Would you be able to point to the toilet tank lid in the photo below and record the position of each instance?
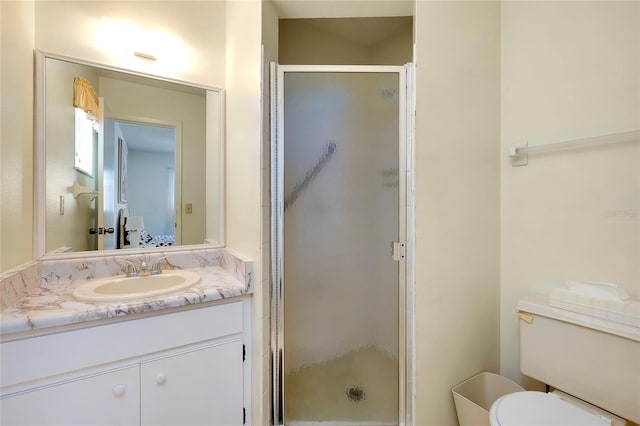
(537, 409)
(539, 305)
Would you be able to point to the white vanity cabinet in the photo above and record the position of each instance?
(103, 399)
(201, 387)
(181, 368)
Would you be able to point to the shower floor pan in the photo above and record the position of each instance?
(358, 388)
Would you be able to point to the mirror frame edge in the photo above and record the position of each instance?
(39, 173)
(39, 178)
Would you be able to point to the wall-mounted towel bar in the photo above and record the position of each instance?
(519, 154)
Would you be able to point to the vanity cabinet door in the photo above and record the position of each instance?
(200, 387)
(111, 398)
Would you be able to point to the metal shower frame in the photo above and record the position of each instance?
(406, 345)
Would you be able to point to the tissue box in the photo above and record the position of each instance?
(624, 312)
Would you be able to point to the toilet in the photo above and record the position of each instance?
(592, 361)
(532, 408)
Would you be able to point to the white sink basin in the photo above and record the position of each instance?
(120, 287)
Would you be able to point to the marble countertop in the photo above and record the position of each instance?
(53, 305)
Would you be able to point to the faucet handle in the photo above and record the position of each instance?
(131, 268)
(155, 266)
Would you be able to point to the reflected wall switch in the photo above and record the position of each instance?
(61, 205)
(188, 208)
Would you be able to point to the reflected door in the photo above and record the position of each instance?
(100, 201)
(340, 195)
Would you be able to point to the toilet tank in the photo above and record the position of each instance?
(594, 359)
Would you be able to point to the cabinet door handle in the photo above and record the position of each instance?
(118, 390)
(161, 378)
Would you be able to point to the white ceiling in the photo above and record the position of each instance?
(342, 8)
(144, 137)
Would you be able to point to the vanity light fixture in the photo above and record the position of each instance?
(128, 42)
(145, 56)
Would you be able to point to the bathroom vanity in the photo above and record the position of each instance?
(180, 358)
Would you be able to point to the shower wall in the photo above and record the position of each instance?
(341, 284)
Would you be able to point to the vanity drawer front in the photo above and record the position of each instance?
(58, 353)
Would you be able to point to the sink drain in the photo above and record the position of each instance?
(355, 394)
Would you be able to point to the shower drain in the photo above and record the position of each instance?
(355, 393)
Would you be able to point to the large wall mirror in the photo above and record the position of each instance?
(142, 170)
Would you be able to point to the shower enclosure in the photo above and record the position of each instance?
(338, 244)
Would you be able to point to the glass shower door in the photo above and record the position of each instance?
(340, 215)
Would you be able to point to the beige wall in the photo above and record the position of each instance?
(457, 200)
(270, 54)
(16, 132)
(569, 70)
(244, 208)
(346, 41)
(72, 28)
(397, 48)
(302, 43)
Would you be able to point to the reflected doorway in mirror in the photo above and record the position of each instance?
(122, 170)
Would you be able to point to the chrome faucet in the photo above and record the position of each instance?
(155, 266)
(132, 271)
(142, 269)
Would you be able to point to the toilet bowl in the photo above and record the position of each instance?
(530, 408)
